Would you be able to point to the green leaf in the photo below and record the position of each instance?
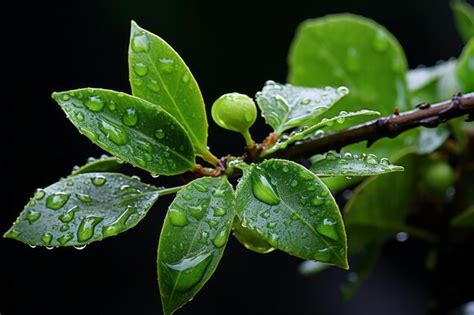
(352, 51)
(433, 84)
(82, 209)
(465, 69)
(193, 239)
(464, 219)
(250, 239)
(315, 130)
(290, 208)
(356, 52)
(464, 18)
(160, 76)
(348, 165)
(103, 164)
(132, 129)
(380, 205)
(366, 262)
(286, 106)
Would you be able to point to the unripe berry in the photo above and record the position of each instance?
(438, 176)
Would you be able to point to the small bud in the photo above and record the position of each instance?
(235, 112)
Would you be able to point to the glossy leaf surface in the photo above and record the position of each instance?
(287, 106)
(250, 239)
(193, 239)
(335, 164)
(464, 18)
(352, 51)
(315, 130)
(102, 164)
(130, 128)
(465, 69)
(82, 209)
(289, 207)
(368, 215)
(160, 76)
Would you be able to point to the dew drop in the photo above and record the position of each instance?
(94, 104)
(119, 224)
(79, 116)
(130, 118)
(271, 225)
(178, 217)
(219, 212)
(69, 215)
(199, 187)
(220, 238)
(140, 43)
(111, 106)
(186, 273)
(84, 197)
(140, 69)
(265, 214)
(64, 239)
(263, 190)
(64, 228)
(86, 229)
(342, 90)
(98, 180)
(57, 200)
(12, 233)
(213, 223)
(294, 183)
(159, 134)
(80, 247)
(380, 42)
(322, 255)
(153, 85)
(33, 216)
(328, 229)
(186, 78)
(371, 159)
(384, 161)
(46, 238)
(166, 65)
(317, 201)
(113, 132)
(39, 194)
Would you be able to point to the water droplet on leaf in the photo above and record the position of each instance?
(263, 190)
(86, 229)
(178, 217)
(94, 104)
(57, 200)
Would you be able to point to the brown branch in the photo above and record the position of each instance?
(387, 127)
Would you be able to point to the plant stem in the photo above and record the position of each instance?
(391, 126)
(248, 139)
(209, 157)
(169, 191)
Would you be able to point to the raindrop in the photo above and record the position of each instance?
(166, 65)
(113, 132)
(33, 216)
(94, 104)
(86, 229)
(186, 273)
(219, 212)
(159, 134)
(80, 247)
(220, 238)
(84, 197)
(331, 156)
(185, 78)
(342, 90)
(98, 180)
(69, 215)
(263, 190)
(271, 225)
(199, 187)
(140, 43)
(79, 116)
(63, 240)
(294, 183)
(140, 69)
(64, 228)
(384, 161)
(178, 217)
(12, 233)
(380, 42)
(46, 238)
(322, 255)
(39, 194)
(153, 85)
(328, 228)
(57, 200)
(371, 159)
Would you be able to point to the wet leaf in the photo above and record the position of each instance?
(82, 209)
(102, 164)
(250, 239)
(465, 69)
(464, 220)
(290, 208)
(464, 17)
(316, 130)
(130, 128)
(193, 239)
(160, 76)
(349, 165)
(286, 106)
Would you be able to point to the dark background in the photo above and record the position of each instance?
(233, 47)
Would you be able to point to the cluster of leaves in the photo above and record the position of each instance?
(277, 204)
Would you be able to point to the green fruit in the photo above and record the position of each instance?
(235, 112)
(438, 176)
